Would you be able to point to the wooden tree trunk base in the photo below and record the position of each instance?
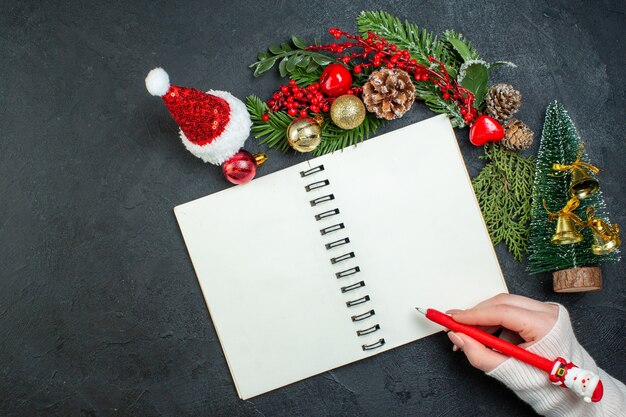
(577, 279)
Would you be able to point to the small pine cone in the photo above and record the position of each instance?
(517, 135)
(388, 93)
(503, 101)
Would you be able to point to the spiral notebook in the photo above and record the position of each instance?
(321, 264)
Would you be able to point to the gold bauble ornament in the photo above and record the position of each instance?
(304, 134)
(347, 111)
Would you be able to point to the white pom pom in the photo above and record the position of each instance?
(158, 82)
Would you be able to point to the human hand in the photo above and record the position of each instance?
(524, 320)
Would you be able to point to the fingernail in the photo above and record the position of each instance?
(454, 311)
(458, 342)
(454, 348)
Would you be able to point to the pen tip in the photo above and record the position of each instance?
(421, 310)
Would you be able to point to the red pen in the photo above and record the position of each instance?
(560, 372)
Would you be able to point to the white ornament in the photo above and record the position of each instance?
(158, 82)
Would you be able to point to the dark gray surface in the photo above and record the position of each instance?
(100, 310)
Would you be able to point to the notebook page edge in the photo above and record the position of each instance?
(476, 204)
(180, 209)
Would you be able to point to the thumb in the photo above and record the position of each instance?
(478, 355)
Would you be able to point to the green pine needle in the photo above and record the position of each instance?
(304, 78)
(305, 68)
(435, 102)
(335, 138)
(273, 132)
(503, 189)
(421, 44)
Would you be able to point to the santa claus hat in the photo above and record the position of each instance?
(213, 125)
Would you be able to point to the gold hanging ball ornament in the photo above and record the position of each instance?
(347, 111)
(304, 134)
(259, 158)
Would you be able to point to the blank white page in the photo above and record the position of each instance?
(418, 238)
(416, 227)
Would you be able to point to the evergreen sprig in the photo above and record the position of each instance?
(452, 49)
(292, 60)
(304, 78)
(420, 43)
(503, 189)
(334, 137)
(432, 97)
(273, 132)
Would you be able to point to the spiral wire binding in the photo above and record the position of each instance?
(338, 259)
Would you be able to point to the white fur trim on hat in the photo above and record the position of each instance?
(232, 138)
(158, 82)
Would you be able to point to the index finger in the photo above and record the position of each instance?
(516, 301)
(514, 318)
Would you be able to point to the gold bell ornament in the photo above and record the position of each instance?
(606, 237)
(583, 185)
(304, 134)
(566, 226)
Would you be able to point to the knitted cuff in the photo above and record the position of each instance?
(533, 386)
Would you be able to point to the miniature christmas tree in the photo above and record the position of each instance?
(574, 265)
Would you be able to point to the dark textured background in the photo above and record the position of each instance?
(100, 310)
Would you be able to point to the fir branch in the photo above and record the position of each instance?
(335, 138)
(503, 189)
(435, 102)
(291, 60)
(303, 77)
(273, 132)
(420, 43)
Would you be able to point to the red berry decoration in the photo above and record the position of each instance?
(485, 129)
(240, 168)
(336, 80)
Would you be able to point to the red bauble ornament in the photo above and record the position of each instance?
(336, 80)
(240, 168)
(485, 129)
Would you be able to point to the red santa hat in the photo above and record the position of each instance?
(213, 125)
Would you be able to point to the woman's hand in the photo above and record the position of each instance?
(523, 319)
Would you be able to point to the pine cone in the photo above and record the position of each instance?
(503, 101)
(388, 93)
(517, 135)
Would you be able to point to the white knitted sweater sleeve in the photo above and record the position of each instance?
(533, 386)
